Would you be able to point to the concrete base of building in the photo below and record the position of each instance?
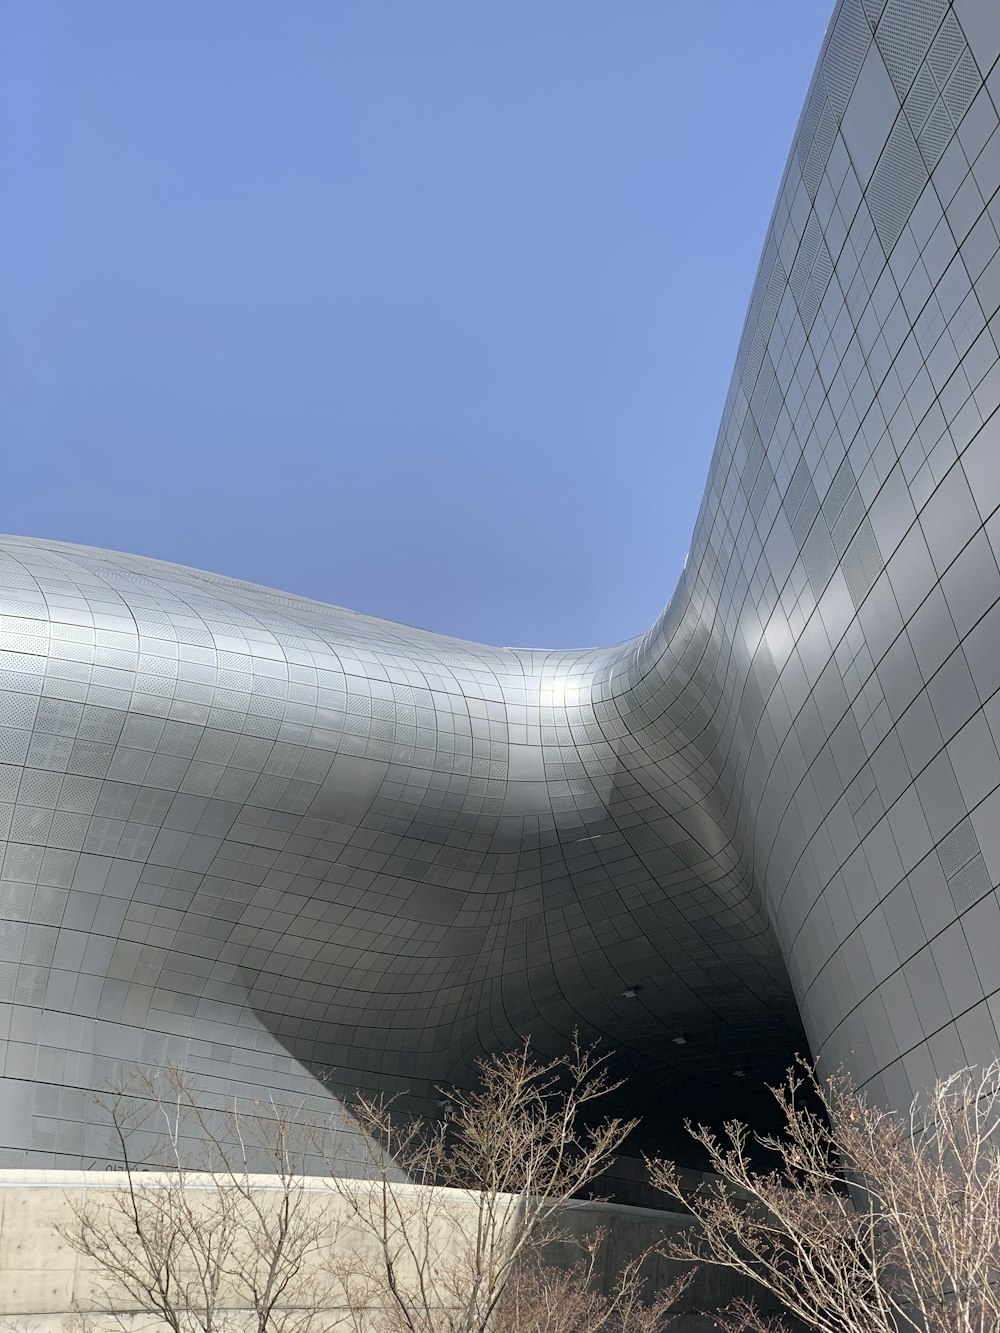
(47, 1287)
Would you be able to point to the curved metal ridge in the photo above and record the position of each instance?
(267, 837)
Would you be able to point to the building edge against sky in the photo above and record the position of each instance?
(267, 838)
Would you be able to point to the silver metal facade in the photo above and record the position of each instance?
(267, 837)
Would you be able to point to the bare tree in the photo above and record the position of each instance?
(193, 1232)
(543, 1297)
(870, 1222)
(467, 1256)
(215, 1225)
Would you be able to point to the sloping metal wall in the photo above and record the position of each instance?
(267, 838)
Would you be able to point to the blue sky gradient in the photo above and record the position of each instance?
(428, 310)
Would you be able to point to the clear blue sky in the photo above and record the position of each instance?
(427, 308)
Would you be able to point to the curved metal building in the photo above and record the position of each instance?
(268, 837)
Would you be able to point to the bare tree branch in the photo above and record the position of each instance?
(870, 1222)
(467, 1256)
(201, 1234)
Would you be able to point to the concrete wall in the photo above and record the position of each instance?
(43, 1280)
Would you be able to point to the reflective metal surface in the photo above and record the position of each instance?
(268, 837)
